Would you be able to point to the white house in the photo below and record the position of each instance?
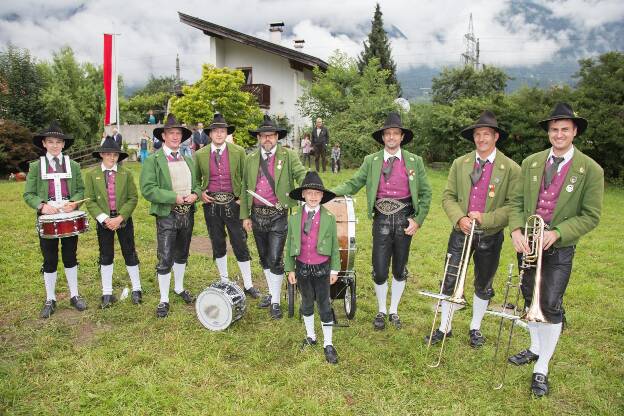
(273, 72)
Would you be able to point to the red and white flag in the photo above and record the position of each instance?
(110, 80)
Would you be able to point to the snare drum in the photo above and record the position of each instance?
(64, 224)
(344, 210)
(219, 305)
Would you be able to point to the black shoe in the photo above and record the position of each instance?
(162, 310)
(275, 311)
(379, 322)
(331, 355)
(393, 318)
(265, 302)
(308, 342)
(253, 292)
(137, 297)
(186, 297)
(108, 300)
(476, 338)
(437, 336)
(539, 385)
(48, 309)
(523, 357)
(78, 302)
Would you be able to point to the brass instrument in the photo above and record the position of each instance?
(534, 237)
(458, 292)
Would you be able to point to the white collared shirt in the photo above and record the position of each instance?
(50, 157)
(388, 155)
(104, 168)
(213, 148)
(490, 158)
(264, 152)
(169, 151)
(566, 158)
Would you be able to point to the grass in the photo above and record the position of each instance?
(123, 360)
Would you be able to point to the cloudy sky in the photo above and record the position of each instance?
(425, 33)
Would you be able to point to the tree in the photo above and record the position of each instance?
(153, 96)
(378, 46)
(600, 98)
(466, 82)
(20, 87)
(219, 89)
(16, 147)
(74, 95)
(352, 105)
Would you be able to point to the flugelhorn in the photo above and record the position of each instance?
(458, 292)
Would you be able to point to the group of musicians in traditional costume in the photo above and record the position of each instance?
(486, 191)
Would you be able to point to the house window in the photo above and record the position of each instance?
(247, 74)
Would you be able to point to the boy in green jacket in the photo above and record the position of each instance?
(312, 258)
(112, 199)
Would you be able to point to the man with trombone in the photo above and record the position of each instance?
(477, 202)
(561, 191)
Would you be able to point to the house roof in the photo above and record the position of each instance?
(297, 59)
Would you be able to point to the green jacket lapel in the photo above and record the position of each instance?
(499, 171)
(465, 184)
(536, 172)
(232, 160)
(281, 157)
(376, 175)
(163, 165)
(252, 169)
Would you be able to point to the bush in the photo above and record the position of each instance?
(16, 148)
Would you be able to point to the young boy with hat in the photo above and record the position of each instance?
(112, 199)
(312, 258)
(52, 185)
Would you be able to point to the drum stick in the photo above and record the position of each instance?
(80, 201)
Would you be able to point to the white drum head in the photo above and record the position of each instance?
(214, 309)
(61, 216)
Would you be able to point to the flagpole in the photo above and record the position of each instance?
(117, 77)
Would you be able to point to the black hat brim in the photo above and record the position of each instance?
(281, 133)
(297, 193)
(580, 122)
(467, 133)
(230, 129)
(158, 131)
(408, 135)
(122, 155)
(38, 139)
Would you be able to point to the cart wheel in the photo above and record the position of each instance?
(349, 300)
(290, 294)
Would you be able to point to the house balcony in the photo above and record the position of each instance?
(262, 92)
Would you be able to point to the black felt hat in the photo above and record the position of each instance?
(486, 119)
(268, 126)
(312, 180)
(109, 146)
(54, 130)
(172, 123)
(563, 111)
(219, 122)
(394, 121)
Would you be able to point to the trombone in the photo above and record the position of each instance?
(458, 291)
(534, 237)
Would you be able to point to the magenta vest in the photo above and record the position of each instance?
(479, 191)
(262, 184)
(397, 186)
(308, 254)
(547, 198)
(110, 190)
(64, 188)
(220, 179)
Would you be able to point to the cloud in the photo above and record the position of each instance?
(152, 35)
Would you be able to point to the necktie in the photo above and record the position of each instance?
(218, 156)
(387, 170)
(477, 171)
(307, 225)
(174, 155)
(551, 170)
(57, 164)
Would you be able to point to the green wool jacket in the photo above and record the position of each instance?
(236, 158)
(369, 173)
(580, 203)
(36, 190)
(126, 196)
(455, 197)
(155, 183)
(288, 171)
(327, 244)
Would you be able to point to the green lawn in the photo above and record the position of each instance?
(123, 360)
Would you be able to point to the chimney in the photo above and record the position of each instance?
(276, 30)
(299, 43)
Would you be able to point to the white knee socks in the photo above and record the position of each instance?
(245, 269)
(479, 306)
(49, 279)
(164, 280)
(178, 276)
(382, 293)
(107, 279)
(72, 280)
(395, 297)
(133, 272)
(549, 336)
